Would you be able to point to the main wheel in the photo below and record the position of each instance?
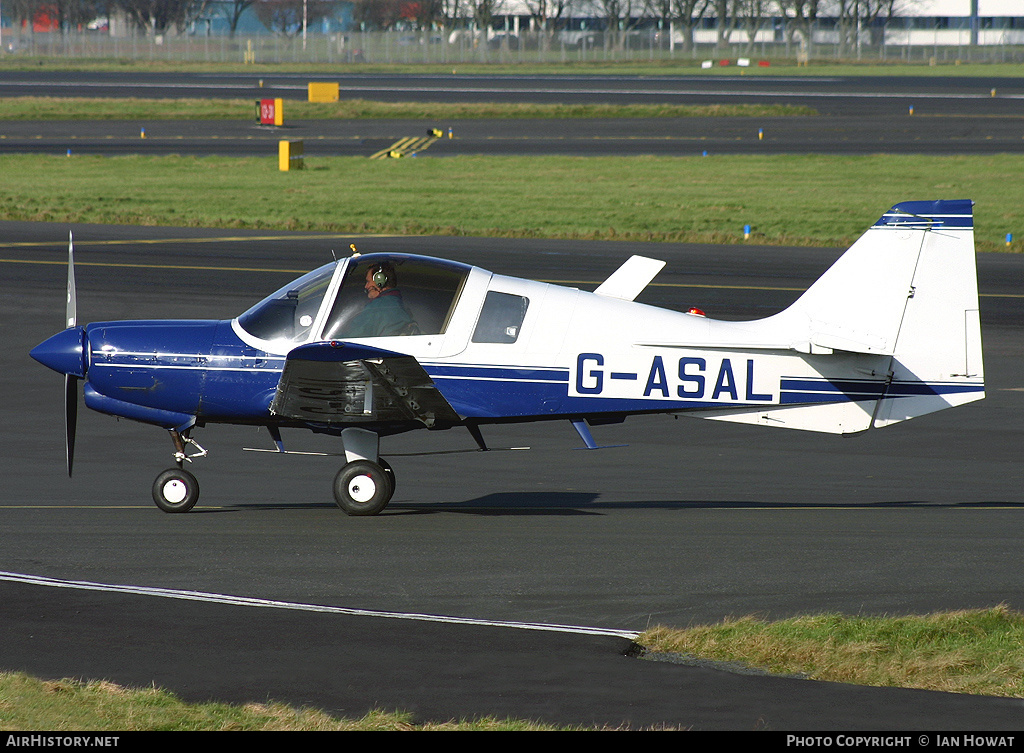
(175, 490)
(362, 488)
(389, 472)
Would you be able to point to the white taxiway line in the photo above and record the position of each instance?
(170, 593)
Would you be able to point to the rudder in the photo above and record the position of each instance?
(937, 360)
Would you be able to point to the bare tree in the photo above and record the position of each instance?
(429, 14)
(618, 20)
(484, 12)
(68, 14)
(157, 16)
(728, 13)
(876, 15)
(753, 17)
(71, 14)
(286, 16)
(864, 21)
(800, 17)
(378, 14)
(22, 11)
(232, 12)
(456, 11)
(689, 13)
(547, 13)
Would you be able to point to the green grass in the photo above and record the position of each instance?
(98, 108)
(980, 652)
(810, 200)
(28, 703)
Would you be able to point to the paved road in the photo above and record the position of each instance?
(691, 522)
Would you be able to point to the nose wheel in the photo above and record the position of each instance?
(363, 487)
(175, 490)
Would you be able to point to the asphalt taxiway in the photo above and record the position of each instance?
(688, 522)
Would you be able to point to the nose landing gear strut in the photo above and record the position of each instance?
(177, 490)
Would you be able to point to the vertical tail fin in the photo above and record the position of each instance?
(907, 289)
(891, 331)
(937, 358)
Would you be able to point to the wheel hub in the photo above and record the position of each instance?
(175, 491)
(362, 488)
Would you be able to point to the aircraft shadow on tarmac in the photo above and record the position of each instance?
(586, 503)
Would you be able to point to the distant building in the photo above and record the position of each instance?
(914, 22)
(946, 23)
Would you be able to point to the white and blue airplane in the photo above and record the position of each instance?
(382, 343)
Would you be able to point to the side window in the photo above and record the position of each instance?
(501, 318)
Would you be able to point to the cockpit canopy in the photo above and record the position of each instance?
(289, 313)
(415, 296)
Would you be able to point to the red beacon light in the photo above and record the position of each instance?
(696, 312)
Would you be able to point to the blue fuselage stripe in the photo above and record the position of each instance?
(202, 369)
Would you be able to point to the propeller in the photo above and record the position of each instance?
(67, 353)
(70, 416)
(71, 318)
(71, 381)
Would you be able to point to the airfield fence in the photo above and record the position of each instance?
(452, 48)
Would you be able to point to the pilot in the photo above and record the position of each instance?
(385, 313)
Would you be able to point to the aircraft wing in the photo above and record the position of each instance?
(338, 382)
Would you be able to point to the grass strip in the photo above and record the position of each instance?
(980, 652)
(28, 703)
(808, 200)
(99, 108)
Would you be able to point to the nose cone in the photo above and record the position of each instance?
(64, 352)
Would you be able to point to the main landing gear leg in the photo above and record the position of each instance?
(365, 484)
(177, 490)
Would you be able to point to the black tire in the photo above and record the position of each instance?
(362, 488)
(390, 474)
(175, 490)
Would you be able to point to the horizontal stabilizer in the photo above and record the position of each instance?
(829, 418)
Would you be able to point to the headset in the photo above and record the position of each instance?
(381, 278)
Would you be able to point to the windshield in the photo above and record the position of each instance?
(289, 313)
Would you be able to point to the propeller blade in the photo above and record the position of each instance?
(71, 313)
(70, 415)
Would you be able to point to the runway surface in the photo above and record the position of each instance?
(691, 522)
(856, 115)
(830, 95)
